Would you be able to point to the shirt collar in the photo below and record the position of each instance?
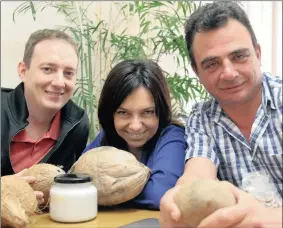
(267, 98)
(215, 111)
(54, 130)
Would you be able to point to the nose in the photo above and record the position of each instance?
(58, 79)
(229, 72)
(135, 124)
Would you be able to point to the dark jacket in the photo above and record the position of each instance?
(71, 141)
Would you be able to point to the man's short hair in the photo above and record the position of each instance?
(214, 15)
(45, 34)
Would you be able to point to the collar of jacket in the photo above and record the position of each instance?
(18, 108)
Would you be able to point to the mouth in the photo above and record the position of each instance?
(234, 87)
(54, 93)
(135, 135)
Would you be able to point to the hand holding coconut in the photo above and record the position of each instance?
(194, 201)
(30, 180)
(248, 212)
(170, 214)
(18, 202)
(44, 175)
(22, 192)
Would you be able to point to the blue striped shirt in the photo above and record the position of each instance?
(211, 134)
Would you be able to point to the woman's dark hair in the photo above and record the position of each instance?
(214, 15)
(122, 80)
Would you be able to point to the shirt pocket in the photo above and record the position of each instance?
(232, 172)
(272, 164)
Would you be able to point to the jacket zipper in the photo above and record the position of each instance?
(10, 140)
(45, 161)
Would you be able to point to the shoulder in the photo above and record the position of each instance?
(95, 143)
(171, 133)
(273, 81)
(274, 85)
(5, 92)
(171, 138)
(201, 112)
(201, 107)
(172, 129)
(73, 113)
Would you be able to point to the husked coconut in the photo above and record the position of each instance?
(117, 174)
(201, 198)
(44, 174)
(18, 202)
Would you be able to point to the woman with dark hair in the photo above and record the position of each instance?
(135, 115)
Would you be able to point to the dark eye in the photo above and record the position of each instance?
(121, 113)
(69, 73)
(149, 112)
(240, 57)
(211, 65)
(47, 70)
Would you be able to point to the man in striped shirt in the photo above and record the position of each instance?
(238, 132)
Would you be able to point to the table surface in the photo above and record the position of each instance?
(104, 218)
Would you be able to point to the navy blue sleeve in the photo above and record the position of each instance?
(95, 143)
(167, 165)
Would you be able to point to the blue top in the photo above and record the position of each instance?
(166, 163)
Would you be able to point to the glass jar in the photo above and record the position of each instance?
(73, 198)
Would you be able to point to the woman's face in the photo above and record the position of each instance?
(135, 120)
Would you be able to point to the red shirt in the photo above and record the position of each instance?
(25, 151)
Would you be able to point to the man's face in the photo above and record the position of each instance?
(227, 63)
(51, 78)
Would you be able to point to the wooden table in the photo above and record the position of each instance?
(104, 219)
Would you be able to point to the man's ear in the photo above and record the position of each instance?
(22, 69)
(195, 69)
(258, 52)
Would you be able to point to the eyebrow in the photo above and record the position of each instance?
(239, 51)
(124, 109)
(56, 65)
(213, 58)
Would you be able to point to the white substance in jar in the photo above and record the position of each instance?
(73, 198)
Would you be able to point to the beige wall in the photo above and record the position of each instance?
(15, 35)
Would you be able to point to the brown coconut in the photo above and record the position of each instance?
(117, 174)
(44, 174)
(18, 202)
(201, 198)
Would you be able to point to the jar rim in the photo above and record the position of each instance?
(72, 178)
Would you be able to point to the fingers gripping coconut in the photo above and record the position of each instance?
(18, 202)
(117, 174)
(44, 174)
(201, 198)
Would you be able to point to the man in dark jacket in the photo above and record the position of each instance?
(39, 122)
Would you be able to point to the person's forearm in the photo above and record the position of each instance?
(197, 168)
(187, 179)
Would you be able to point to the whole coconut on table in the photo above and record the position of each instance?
(44, 174)
(201, 198)
(117, 174)
(18, 202)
